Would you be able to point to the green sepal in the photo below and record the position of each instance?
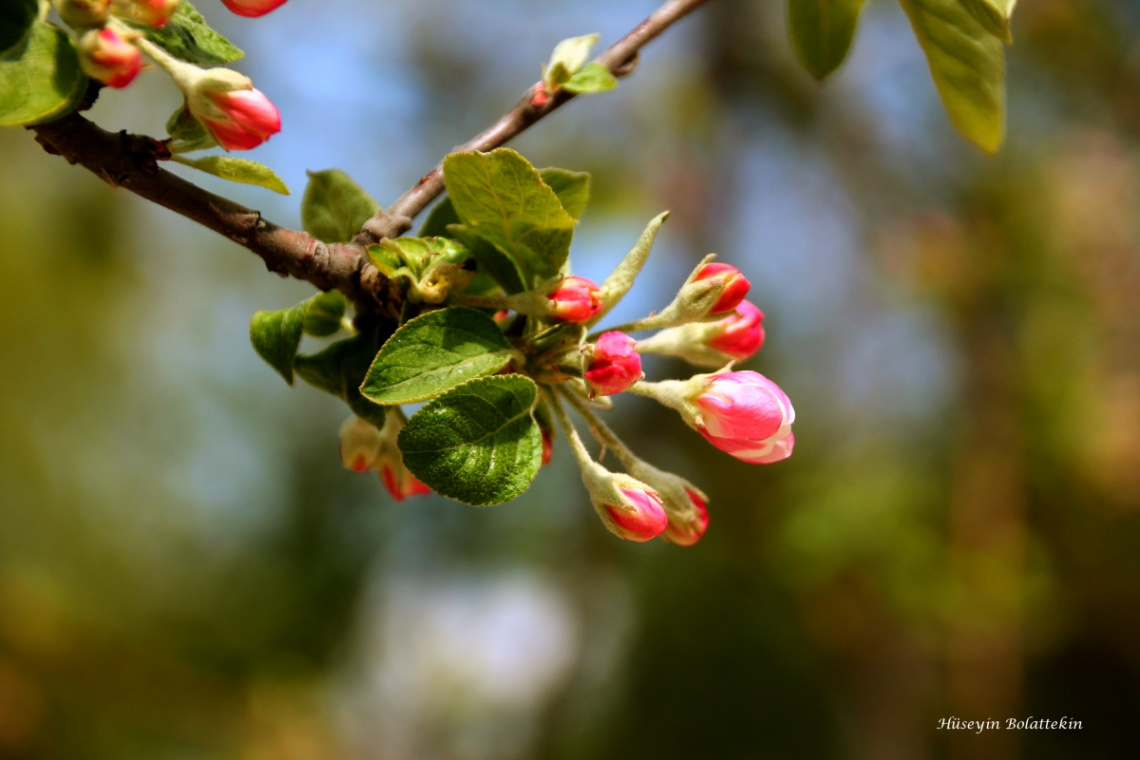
(334, 207)
(436, 352)
(40, 77)
(188, 37)
(187, 133)
(237, 170)
(478, 443)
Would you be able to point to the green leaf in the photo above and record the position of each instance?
(436, 352)
(187, 36)
(478, 443)
(334, 207)
(567, 59)
(822, 31)
(237, 170)
(15, 18)
(594, 77)
(994, 15)
(572, 188)
(491, 260)
(40, 78)
(276, 336)
(324, 370)
(324, 315)
(439, 218)
(968, 66)
(501, 198)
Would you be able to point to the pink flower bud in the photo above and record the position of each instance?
(252, 8)
(735, 289)
(106, 56)
(741, 334)
(145, 12)
(747, 415)
(641, 518)
(238, 116)
(575, 299)
(615, 365)
(400, 482)
(688, 533)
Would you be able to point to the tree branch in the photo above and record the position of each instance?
(620, 58)
(131, 161)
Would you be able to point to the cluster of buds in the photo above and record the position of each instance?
(236, 116)
(364, 448)
(709, 323)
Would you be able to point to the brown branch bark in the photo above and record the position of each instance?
(131, 161)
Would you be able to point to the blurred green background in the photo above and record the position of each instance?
(187, 572)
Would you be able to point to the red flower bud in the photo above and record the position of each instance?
(575, 299)
(541, 97)
(238, 116)
(360, 444)
(106, 56)
(615, 365)
(735, 289)
(252, 8)
(641, 518)
(741, 334)
(687, 534)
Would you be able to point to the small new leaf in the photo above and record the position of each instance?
(187, 36)
(478, 443)
(237, 170)
(501, 198)
(621, 279)
(40, 78)
(968, 66)
(187, 133)
(434, 353)
(567, 59)
(334, 207)
(276, 336)
(594, 77)
(994, 15)
(822, 31)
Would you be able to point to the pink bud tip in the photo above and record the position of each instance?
(540, 97)
(249, 118)
(252, 8)
(644, 519)
(687, 534)
(740, 335)
(575, 299)
(736, 287)
(747, 415)
(616, 364)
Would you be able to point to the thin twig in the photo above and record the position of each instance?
(618, 58)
